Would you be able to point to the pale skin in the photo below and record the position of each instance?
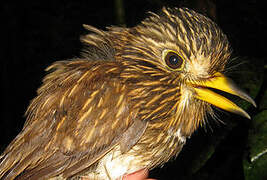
(139, 175)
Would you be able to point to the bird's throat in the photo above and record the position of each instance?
(186, 117)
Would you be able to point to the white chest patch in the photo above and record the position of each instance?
(114, 165)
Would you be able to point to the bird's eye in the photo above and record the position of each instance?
(173, 60)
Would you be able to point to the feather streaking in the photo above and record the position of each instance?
(119, 108)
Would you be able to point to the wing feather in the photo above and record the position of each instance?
(81, 112)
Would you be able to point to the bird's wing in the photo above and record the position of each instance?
(81, 112)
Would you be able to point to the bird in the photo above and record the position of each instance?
(129, 102)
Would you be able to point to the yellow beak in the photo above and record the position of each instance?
(220, 82)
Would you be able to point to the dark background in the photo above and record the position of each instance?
(37, 33)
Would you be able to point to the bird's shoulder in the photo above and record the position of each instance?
(81, 101)
(80, 113)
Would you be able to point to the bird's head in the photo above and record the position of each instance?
(180, 55)
(172, 61)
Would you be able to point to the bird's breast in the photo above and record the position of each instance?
(114, 165)
(147, 153)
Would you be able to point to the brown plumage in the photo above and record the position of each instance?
(129, 103)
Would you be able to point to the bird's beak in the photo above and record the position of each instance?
(222, 83)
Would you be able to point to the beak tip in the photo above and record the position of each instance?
(254, 104)
(243, 113)
(250, 100)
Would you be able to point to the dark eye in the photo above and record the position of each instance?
(173, 60)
